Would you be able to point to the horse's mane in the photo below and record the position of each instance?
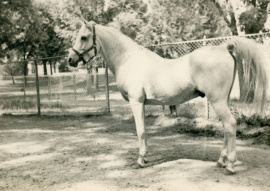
(120, 36)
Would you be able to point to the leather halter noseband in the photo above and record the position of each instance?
(94, 46)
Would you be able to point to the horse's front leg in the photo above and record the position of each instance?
(138, 113)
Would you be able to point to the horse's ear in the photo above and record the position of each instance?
(90, 25)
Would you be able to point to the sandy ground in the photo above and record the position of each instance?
(98, 153)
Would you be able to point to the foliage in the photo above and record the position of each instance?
(254, 120)
(48, 28)
(158, 22)
(253, 20)
(171, 21)
(13, 13)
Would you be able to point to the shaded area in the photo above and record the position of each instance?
(58, 153)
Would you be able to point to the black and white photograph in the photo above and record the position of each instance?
(134, 95)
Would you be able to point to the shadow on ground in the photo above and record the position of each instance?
(74, 153)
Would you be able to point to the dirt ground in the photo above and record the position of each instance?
(98, 153)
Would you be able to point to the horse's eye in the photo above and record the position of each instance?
(83, 37)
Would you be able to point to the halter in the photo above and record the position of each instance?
(94, 46)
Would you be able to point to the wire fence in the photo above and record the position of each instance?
(94, 91)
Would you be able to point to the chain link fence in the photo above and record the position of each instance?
(89, 91)
(199, 108)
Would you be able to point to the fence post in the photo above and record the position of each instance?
(49, 87)
(37, 87)
(88, 81)
(75, 88)
(206, 101)
(107, 88)
(60, 89)
(24, 87)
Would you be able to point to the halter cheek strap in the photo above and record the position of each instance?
(94, 46)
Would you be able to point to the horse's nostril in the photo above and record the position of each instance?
(69, 60)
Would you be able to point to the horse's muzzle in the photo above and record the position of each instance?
(72, 62)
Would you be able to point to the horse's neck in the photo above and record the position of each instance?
(116, 47)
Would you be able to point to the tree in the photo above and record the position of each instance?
(154, 22)
(22, 29)
(12, 68)
(254, 18)
(54, 46)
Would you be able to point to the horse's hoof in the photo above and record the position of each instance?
(145, 160)
(137, 166)
(220, 165)
(229, 171)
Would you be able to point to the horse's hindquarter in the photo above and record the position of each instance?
(212, 71)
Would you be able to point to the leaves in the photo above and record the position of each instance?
(253, 20)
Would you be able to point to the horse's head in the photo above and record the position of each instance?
(86, 46)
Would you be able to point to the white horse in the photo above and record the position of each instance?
(143, 77)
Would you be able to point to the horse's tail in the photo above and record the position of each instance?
(250, 56)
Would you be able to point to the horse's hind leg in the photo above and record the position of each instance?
(223, 159)
(228, 153)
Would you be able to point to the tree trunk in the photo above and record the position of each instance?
(45, 67)
(54, 66)
(51, 67)
(226, 10)
(12, 77)
(25, 69)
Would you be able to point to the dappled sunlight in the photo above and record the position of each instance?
(27, 131)
(24, 147)
(112, 164)
(109, 161)
(128, 146)
(174, 137)
(76, 139)
(72, 156)
(182, 173)
(27, 160)
(103, 140)
(84, 159)
(92, 125)
(106, 157)
(119, 174)
(87, 185)
(70, 128)
(65, 149)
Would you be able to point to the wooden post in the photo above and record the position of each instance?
(49, 87)
(88, 80)
(206, 101)
(37, 87)
(60, 89)
(107, 89)
(24, 87)
(95, 79)
(74, 84)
